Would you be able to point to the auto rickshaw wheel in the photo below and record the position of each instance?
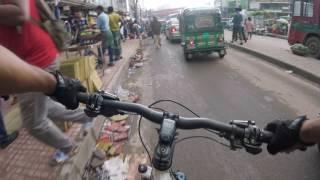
(222, 53)
(188, 56)
(313, 43)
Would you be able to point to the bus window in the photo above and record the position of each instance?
(297, 8)
(308, 8)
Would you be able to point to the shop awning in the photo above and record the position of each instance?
(80, 3)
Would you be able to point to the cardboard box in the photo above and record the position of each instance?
(85, 84)
(71, 69)
(97, 83)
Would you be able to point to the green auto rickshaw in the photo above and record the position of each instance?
(201, 32)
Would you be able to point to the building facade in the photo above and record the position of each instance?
(281, 7)
(270, 5)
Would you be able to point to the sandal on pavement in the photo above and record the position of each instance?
(60, 157)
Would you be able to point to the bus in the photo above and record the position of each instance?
(305, 25)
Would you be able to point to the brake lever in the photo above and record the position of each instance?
(109, 96)
(94, 105)
(249, 141)
(253, 149)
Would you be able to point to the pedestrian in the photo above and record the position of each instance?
(5, 138)
(148, 29)
(156, 30)
(78, 25)
(243, 22)
(36, 46)
(130, 28)
(106, 35)
(114, 21)
(236, 31)
(249, 27)
(136, 29)
(125, 29)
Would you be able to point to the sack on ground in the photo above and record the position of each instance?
(300, 49)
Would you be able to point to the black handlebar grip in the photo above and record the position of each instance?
(83, 97)
(265, 136)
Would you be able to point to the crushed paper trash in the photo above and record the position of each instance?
(119, 117)
(120, 136)
(134, 98)
(116, 168)
(116, 149)
(118, 126)
(138, 65)
(104, 144)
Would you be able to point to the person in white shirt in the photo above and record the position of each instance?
(243, 22)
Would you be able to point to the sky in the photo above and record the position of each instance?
(163, 4)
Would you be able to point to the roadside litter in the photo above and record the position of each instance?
(126, 95)
(300, 49)
(106, 161)
(137, 60)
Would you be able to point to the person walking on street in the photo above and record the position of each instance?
(136, 28)
(249, 27)
(125, 29)
(236, 31)
(34, 45)
(156, 30)
(243, 24)
(106, 34)
(115, 20)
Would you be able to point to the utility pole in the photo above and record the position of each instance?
(136, 9)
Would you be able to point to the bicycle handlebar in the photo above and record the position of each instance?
(181, 122)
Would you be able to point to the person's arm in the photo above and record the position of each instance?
(310, 131)
(14, 13)
(98, 23)
(16, 76)
(120, 22)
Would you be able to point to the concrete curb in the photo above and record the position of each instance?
(296, 70)
(277, 36)
(75, 167)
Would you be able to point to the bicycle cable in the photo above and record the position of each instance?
(185, 107)
(142, 142)
(180, 140)
(172, 174)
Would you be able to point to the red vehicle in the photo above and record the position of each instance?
(305, 25)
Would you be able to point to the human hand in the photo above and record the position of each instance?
(286, 135)
(66, 90)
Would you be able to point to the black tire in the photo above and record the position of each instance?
(222, 55)
(186, 56)
(313, 43)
